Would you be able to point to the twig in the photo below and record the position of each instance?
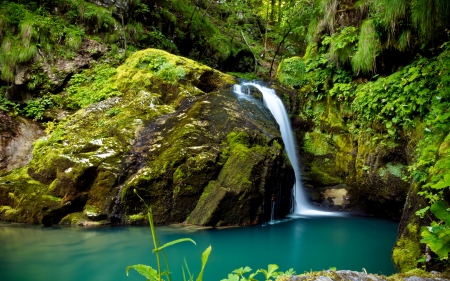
(256, 59)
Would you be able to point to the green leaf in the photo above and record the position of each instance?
(422, 212)
(191, 276)
(444, 183)
(205, 257)
(252, 276)
(388, 124)
(144, 270)
(231, 277)
(438, 242)
(270, 271)
(173, 243)
(241, 271)
(439, 209)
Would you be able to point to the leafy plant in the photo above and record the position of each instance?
(341, 45)
(437, 235)
(156, 275)
(91, 86)
(269, 274)
(35, 108)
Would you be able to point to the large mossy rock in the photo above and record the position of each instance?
(174, 132)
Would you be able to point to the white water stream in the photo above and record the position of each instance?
(300, 206)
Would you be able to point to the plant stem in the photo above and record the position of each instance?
(152, 229)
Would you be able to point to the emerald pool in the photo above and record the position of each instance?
(102, 253)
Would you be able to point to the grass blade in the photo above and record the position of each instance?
(205, 257)
(173, 243)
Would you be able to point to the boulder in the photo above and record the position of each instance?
(174, 133)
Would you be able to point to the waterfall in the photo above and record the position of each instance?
(272, 211)
(276, 107)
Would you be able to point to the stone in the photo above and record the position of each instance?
(179, 137)
(16, 141)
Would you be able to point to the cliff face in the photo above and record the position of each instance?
(172, 130)
(344, 168)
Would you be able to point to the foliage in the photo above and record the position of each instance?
(35, 108)
(5, 104)
(437, 235)
(156, 275)
(91, 85)
(398, 99)
(291, 71)
(341, 44)
(27, 33)
(368, 49)
(269, 274)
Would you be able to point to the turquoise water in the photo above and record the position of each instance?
(75, 253)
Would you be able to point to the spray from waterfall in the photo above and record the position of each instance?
(300, 206)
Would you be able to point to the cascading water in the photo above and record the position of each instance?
(276, 107)
(272, 213)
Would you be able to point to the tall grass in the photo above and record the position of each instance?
(369, 47)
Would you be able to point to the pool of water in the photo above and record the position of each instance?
(76, 253)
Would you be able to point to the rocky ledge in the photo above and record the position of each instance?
(347, 275)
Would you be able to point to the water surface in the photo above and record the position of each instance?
(76, 253)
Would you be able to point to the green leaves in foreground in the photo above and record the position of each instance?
(144, 270)
(152, 274)
(269, 274)
(437, 235)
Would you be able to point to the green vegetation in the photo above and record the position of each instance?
(156, 275)
(371, 72)
(269, 274)
(90, 86)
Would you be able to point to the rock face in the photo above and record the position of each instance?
(54, 72)
(367, 168)
(176, 134)
(16, 141)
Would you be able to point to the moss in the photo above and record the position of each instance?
(91, 211)
(397, 170)
(407, 250)
(413, 272)
(235, 138)
(323, 172)
(316, 143)
(139, 218)
(78, 218)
